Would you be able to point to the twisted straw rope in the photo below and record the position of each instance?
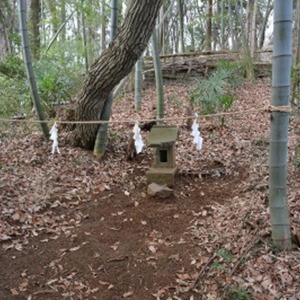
(269, 108)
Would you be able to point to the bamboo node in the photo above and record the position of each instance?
(283, 108)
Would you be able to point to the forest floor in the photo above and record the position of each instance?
(73, 227)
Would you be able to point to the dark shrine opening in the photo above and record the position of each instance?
(163, 156)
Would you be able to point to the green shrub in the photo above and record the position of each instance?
(14, 97)
(238, 293)
(56, 82)
(13, 67)
(236, 71)
(215, 94)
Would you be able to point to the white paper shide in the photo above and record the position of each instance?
(198, 140)
(138, 142)
(54, 138)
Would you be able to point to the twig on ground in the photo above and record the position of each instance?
(202, 271)
(255, 240)
(120, 258)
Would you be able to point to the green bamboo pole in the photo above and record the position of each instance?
(138, 85)
(158, 77)
(61, 28)
(100, 143)
(29, 70)
(281, 81)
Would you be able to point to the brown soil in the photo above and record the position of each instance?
(127, 244)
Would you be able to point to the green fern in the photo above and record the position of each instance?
(215, 93)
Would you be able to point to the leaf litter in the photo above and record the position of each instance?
(100, 235)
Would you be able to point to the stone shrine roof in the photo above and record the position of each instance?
(160, 136)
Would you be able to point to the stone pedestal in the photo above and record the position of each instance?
(162, 176)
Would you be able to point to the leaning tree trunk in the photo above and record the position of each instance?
(29, 69)
(113, 65)
(100, 143)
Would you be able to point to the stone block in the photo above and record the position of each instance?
(161, 176)
(160, 191)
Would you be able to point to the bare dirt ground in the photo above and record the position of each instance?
(73, 227)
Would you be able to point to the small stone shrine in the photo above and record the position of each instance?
(163, 139)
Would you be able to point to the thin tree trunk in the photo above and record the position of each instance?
(181, 25)
(84, 39)
(103, 26)
(175, 37)
(29, 69)
(253, 29)
(208, 37)
(296, 58)
(4, 43)
(138, 85)
(53, 12)
(63, 17)
(239, 21)
(222, 26)
(232, 35)
(248, 19)
(11, 11)
(60, 30)
(120, 13)
(248, 61)
(160, 27)
(158, 78)
(113, 65)
(282, 60)
(191, 30)
(35, 20)
(161, 30)
(261, 38)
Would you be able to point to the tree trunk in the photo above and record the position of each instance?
(84, 39)
(222, 26)
(63, 17)
(113, 65)
(161, 31)
(181, 25)
(231, 28)
(296, 57)
(54, 17)
(35, 19)
(103, 26)
(262, 34)
(138, 85)
(29, 70)
(158, 78)
(281, 70)
(4, 43)
(208, 37)
(253, 29)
